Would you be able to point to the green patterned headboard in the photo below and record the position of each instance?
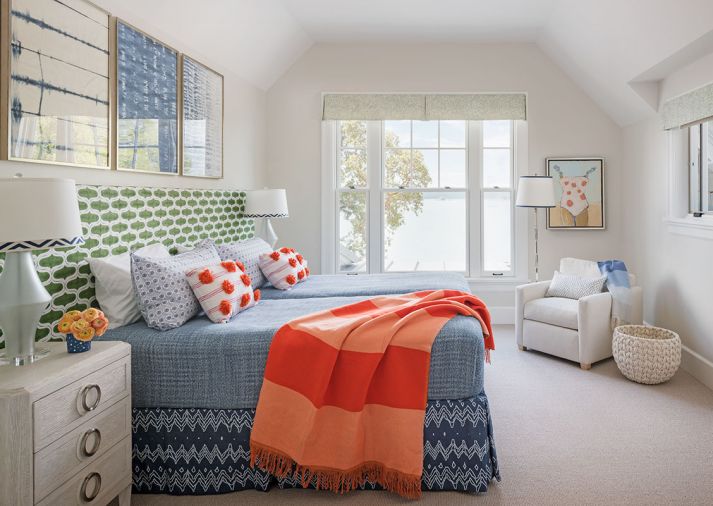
(117, 219)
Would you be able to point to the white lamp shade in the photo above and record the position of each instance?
(38, 214)
(266, 204)
(535, 191)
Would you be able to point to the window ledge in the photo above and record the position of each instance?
(701, 228)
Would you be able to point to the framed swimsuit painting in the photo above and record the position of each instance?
(56, 97)
(579, 193)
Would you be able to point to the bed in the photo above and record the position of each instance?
(195, 389)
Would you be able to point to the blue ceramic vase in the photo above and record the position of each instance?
(74, 345)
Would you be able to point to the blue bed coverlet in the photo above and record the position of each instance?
(206, 365)
(345, 285)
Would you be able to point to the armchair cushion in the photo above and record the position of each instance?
(557, 311)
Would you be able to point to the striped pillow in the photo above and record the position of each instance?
(284, 268)
(223, 290)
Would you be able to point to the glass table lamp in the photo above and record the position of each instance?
(35, 214)
(266, 204)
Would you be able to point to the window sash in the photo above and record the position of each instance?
(474, 195)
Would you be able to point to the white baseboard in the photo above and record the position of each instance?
(697, 366)
(502, 315)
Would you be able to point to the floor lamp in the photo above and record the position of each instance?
(536, 192)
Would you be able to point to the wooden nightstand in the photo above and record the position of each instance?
(65, 428)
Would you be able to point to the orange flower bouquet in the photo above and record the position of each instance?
(81, 327)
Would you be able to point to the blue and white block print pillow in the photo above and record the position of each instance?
(163, 294)
(248, 252)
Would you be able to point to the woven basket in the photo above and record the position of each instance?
(647, 355)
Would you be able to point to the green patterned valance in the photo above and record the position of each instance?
(119, 219)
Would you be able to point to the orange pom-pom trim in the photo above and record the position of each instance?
(225, 307)
(300, 258)
(206, 277)
(285, 250)
(228, 287)
(257, 295)
(292, 262)
(229, 266)
(275, 255)
(301, 274)
(245, 300)
(290, 279)
(240, 265)
(245, 279)
(307, 270)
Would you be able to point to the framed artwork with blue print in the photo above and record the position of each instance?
(56, 97)
(147, 91)
(202, 120)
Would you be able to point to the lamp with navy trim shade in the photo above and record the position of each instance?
(35, 214)
(536, 192)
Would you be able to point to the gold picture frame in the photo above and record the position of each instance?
(51, 58)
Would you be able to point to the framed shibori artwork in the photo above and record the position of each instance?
(56, 96)
(202, 120)
(579, 193)
(147, 91)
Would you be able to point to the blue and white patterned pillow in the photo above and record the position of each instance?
(248, 252)
(163, 294)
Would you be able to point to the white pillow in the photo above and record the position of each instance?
(114, 288)
(579, 267)
(574, 287)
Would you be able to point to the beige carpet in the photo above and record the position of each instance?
(564, 436)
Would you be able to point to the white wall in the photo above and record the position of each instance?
(562, 121)
(676, 271)
(244, 124)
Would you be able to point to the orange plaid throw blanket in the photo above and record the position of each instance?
(344, 394)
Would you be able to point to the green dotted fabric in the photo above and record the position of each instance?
(119, 219)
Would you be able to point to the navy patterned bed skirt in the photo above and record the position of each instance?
(207, 451)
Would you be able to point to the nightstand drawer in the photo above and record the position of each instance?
(87, 443)
(62, 411)
(99, 482)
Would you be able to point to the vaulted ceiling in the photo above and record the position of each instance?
(615, 50)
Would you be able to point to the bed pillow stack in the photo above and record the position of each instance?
(248, 252)
(284, 268)
(163, 293)
(222, 290)
(114, 288)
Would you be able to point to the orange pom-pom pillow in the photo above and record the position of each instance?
(223, 290)
(284, 268)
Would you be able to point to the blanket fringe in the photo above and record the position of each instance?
(341, 482)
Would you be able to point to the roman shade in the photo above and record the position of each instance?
(398, 106)
(691, 107)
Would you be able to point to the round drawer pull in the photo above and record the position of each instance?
(95, 447)
(84, 394)
(97, 487)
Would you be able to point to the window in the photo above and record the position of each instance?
(701, 168)
(421, 196)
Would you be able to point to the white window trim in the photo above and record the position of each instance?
(520, 245)
(679, 220)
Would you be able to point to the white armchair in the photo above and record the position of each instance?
(576, 330)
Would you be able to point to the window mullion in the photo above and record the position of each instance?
(374, 184)
(474, 161)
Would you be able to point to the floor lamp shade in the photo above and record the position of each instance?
(38, 214)
(535, 191)
(34, 214)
